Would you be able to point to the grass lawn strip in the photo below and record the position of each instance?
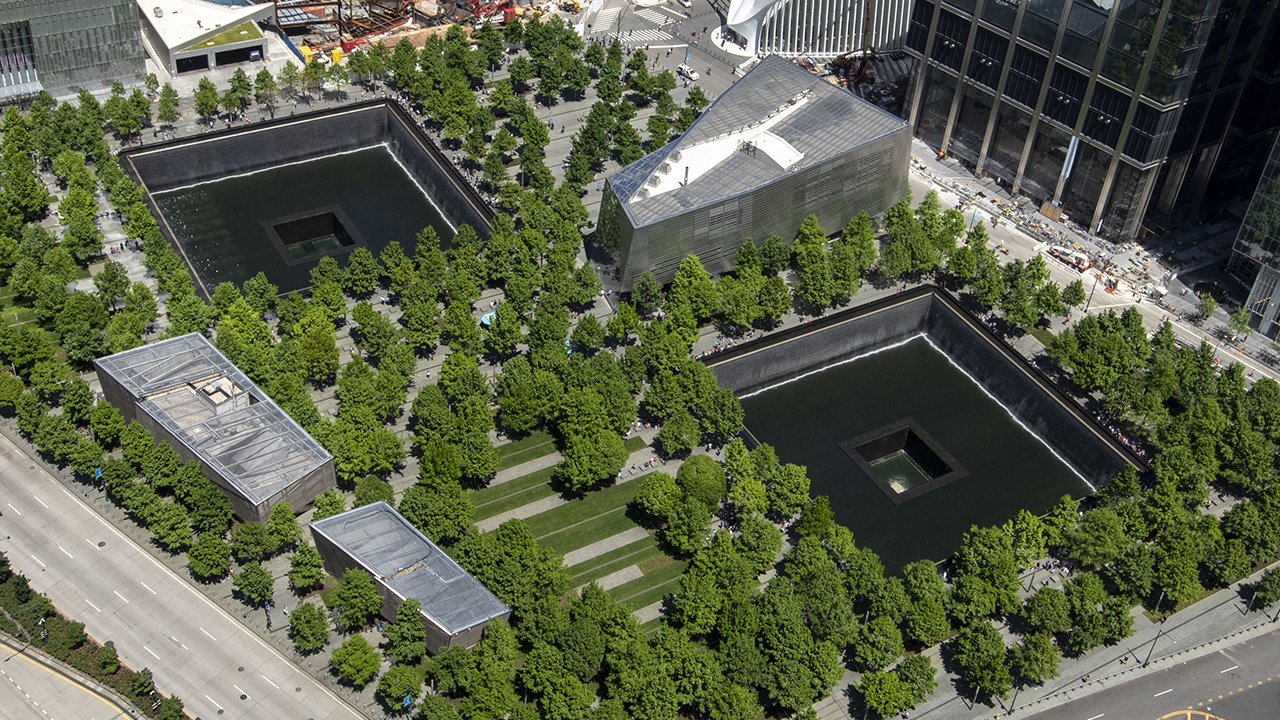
(651, 626)
(512, 501)
(581, 534)
(633, 444)
(575, 511)
(636, 557)
(524, 443)
(652, 587)
(479, 498)
(617, 553)
(525, 456)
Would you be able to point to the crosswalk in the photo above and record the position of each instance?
(604, 21)
(635, 37)
(653, 16)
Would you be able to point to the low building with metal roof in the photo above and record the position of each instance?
(188, 394)
(777, 146)
(404, 564)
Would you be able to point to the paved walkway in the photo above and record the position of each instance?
(620, 577)
(649, 612)
(596, 549)
(526, 468)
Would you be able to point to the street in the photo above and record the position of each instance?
(1241, 682)
(97, 576)
(31, 691)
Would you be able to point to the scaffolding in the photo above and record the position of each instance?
(353, 19)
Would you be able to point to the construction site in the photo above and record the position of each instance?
(326, 25)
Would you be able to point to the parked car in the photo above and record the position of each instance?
(686, 71)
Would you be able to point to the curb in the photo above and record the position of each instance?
(70, 674)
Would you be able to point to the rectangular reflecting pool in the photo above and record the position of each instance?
(225, 227)
(1008, 468)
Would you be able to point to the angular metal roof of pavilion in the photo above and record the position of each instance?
(776, 120)
(396, 553)
(218, 413)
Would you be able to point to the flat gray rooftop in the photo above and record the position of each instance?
(395, 552)
(218, 413)
(776, 120)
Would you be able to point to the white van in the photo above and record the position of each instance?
(686, 71)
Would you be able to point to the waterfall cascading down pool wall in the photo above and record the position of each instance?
(171, 165)
(1030, 397)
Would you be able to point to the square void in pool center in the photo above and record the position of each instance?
(810, 420)
(903, 460)
(308, 236)
(283, 220)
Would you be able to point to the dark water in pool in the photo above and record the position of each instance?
(218, 223)
(1009, 468)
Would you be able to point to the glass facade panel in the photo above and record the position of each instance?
(1026, 75)
(1008, 141)
(1136, 12)
(918, 28)
(1164, 89)
(971, 124)
(80, 43)
(1084, 33)
(948, 45)
(988, 57)
(1125, 206)
(939, 90)
(1001, 13)
(1084, 185)
(1041, 30)
(1066, 95)
(965, 5)
(1044, 162)
(1107, 109)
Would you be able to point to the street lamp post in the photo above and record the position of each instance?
(1096, 277)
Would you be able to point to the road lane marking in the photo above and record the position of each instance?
(153, 592)
(119, 596)
(215, 702)
(92, 543)
(144, 647)
(245, 694)
(11, 507)
(1095, 717)
(1233, 667)
(264, 677)
(1166, 692)
(64, 552)
(201, 598)
(95, 607)
(37, 497)
(206, 632)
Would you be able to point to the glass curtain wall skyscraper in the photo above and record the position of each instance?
(1108, 109)
(63, 45)
(1256, 258)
